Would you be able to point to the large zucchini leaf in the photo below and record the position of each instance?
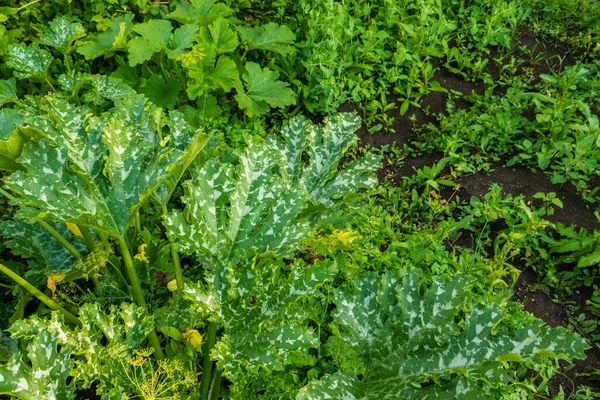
(261, 312)
(324, 146)
(124, 330)
(44, 377)
(95, 171)
(234, 212)
(99, 352)
(401, 344)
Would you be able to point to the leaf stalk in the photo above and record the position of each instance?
(136, 286)
(56, 235)
(38, 294)
(207, 364)
(87, 237)
(176, 260)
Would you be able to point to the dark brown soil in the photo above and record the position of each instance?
(541, 305)
(520, 181)
(433, 104)
(536, 57)
(542, 56)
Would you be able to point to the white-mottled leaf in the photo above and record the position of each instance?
(263, 318)
(324, 147)
(30, 240)
(405, 343)
(94, 171)
(28, 61)
(97, 352)
(191, 147)
(61, 33)
(44, 377)
(94, 88)
(231, 214)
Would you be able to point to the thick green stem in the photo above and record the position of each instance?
(138, 222)
(207, 365)
(67, 63)
(28, 4)
(136, 286)
(87, 237)
(176, 261)
(51, 85)
(41, 296)
(216, 385)
(104, 239)
(66, 244)
(7, 194)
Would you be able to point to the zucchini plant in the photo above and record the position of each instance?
(146, 256)
(241, 303)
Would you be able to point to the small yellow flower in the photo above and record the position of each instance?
(137, 361)
(51, 283)
(141, 255)
(193, 337)
(172, 285)
(145, 352)
(191, 58)
(74, 229)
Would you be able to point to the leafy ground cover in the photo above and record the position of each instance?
(300, 200)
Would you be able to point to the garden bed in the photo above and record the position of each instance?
(300, 200)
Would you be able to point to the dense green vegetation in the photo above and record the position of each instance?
(188, 216)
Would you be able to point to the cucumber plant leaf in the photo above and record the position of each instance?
(263, 317)
(219, 36)
(162, 93)
(271, 37)
(404, 344)
(262, 90)
(181, 40)
(28, 61)
(154, 37)
(205, 75)
(200, 12)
